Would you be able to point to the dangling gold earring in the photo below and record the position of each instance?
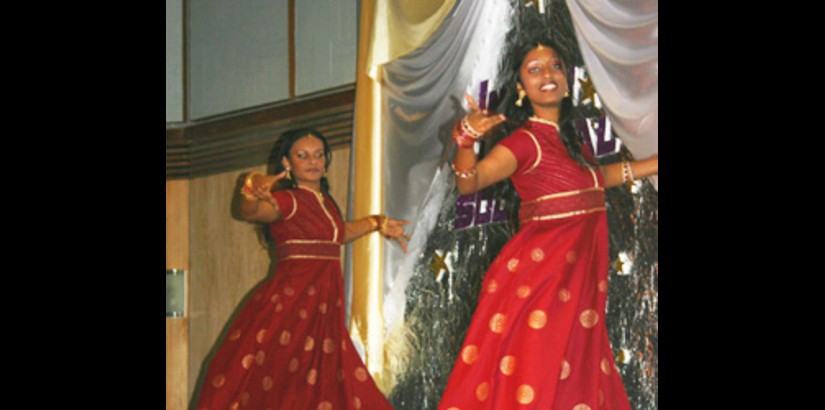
(288, 175)
(521, 94)
(325, 172)
(566, 93)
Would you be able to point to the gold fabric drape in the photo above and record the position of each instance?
(388, 29)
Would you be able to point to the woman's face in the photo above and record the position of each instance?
(543, 77)
(307, 159)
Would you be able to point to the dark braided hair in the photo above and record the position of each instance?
(529, 29)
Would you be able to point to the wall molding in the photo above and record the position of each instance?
(245, 138)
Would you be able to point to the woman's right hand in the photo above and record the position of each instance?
(262, 185)
(480, 120)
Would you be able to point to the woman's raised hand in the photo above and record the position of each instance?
(480, 120)
(262, 185)
(393, 228)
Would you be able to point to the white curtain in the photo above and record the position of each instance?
(423, 94)
(619, 40)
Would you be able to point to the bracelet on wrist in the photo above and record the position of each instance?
(465, 173)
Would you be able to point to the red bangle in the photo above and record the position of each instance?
(461, 138)
(463, 174)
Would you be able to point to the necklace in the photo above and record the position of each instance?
(543, 121)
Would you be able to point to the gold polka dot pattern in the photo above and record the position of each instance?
(537, 255)
(483, 391)
(360, 374)
(497, 323)
(329, 346)
(525, 394)
(218, 381)
(470, 354)
(309, 343)
(523, 291)
(492, 286)
(605, 365)
(571, 257)
(235, 335)
(312, 376)
(589, 318)
(285, 338)
(565, 370)
(508, 365)
(537, 319)
(564, 295)
(246, 362)
(259, 337)
(266, 383)
(512, 265)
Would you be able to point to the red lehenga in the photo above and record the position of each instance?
(538, 339)
(288, 349)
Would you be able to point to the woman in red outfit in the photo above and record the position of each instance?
(538, 339)
(288, 349)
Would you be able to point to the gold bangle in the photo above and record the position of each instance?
(248, 180)
(247, 193)
(373, 223)
(384, 223)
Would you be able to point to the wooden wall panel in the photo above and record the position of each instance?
(177, 329)
(227, 259)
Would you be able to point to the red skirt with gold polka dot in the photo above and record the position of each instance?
(288, 348)
(538, 339)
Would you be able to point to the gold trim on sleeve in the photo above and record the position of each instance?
(538, 151)
(593, 174)
(294, 205)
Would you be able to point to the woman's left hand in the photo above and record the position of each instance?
(393, 228)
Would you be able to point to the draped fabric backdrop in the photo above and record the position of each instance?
(416, 61)
(619, 41)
